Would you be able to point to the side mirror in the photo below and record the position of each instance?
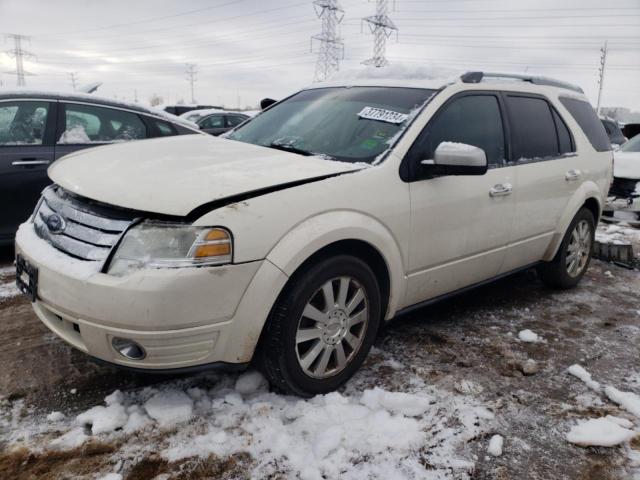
(266, 102)
(456, 159)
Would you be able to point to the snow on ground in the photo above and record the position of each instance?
(620, 234)
(495, 445)
(528, 336)
(8, 287)
(374, 434)
(599, 432)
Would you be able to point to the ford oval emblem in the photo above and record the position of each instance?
(55, 223)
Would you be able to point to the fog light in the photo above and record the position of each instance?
(128, 348)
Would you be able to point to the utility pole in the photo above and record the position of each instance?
(603, 65)
(381, 27)
(331, 47)
(73, 76)
(19, 54)
(191, 77)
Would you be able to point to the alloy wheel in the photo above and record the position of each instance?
(579, 249)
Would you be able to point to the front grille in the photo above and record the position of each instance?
(88, 231)
(623, 187)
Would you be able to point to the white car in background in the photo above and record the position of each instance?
(336, 209)
(623, 203)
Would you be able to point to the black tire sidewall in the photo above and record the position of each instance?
(295, 302)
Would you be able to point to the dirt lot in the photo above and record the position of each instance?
(465, 353)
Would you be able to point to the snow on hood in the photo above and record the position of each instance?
(175, 175)
(627, 165)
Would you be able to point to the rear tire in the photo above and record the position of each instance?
(321, 327)
(574, 254)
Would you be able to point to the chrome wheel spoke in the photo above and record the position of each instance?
(327, 292)
(352, 340)
(314, 314)
(307, 334)
(311, 355)
(341, 359)
(321, 368)
(357, 298)
(357, 318)
(578, 249)
(343, 291)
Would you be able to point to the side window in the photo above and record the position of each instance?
(165, 129)
(235, 120)
(565, 142)
(533, 130)
(472, 119)
(91, 124)
(23, 123)
(212, 121)
(586, 117)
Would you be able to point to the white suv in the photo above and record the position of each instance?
(292, 240)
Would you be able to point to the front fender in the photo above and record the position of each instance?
(315, 233)
(588, 190)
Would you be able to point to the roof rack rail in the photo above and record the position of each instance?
(476, 77)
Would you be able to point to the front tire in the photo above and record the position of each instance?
(322, 327)
(574, 254)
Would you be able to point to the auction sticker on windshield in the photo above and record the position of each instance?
(382, 115)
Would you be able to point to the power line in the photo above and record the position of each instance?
(19, 54)
(191, 77)
(381, 27)
(331, 46)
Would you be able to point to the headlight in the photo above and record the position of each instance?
(157, 245)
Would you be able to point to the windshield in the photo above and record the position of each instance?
(350, 124)
(632, 145)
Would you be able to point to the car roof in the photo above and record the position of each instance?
(93, 99)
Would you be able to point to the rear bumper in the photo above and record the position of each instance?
(183, 318)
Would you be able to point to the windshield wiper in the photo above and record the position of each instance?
(290, 148)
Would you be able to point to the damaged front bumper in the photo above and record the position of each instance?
(623, 203)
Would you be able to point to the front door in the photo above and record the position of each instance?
(26, 149)
(460, 225)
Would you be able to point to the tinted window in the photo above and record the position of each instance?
(212, 121)
(474, 120)
(533, 131)
(565, 141)
(235, 120)
(22, 123)
(586, 117)
(632, 145)
(164, 128)
(90, 124)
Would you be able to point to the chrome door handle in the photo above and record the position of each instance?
(22, 163)
(500, 190)
(572, 175)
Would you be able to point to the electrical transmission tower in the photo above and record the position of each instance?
(191, 78)
(603, 64)
(19, 54)
(73, 76)
(331, 47)
(381, 27)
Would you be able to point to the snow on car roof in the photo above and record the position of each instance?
(86, 97)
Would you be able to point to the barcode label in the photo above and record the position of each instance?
(382, 115)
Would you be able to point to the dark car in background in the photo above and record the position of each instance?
(616, 137)
(220, 122)
(38, 128)
(180, 109)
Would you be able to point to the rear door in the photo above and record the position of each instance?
(233, 120)
(27, 129)
(548, 173)
(83, 125)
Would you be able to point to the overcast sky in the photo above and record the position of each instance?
(249, 49)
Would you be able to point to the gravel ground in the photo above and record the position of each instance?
(463, 356)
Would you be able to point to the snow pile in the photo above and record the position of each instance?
(372, 434)
(617, 234)
(495, 445)
(8, 287)
(600, 432)
(579, 372)
(528, 336)
(627, 400)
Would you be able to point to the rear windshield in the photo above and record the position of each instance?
(350, 124)
(632, 145)
(586, 117)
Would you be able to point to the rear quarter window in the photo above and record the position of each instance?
(584, 114)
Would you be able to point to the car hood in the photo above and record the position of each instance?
(627, 165)
(174, 176)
